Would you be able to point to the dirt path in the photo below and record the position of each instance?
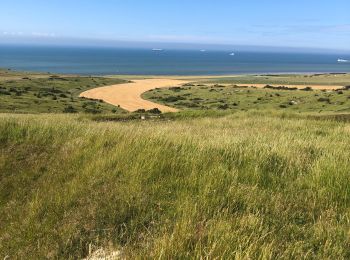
(128, 96)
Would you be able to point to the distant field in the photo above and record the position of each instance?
(282, 79)
(238, 98)
(25, 92)
(35, 93)
(286, 79)
(249, 185)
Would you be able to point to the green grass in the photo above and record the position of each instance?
(248, 185)
(51, 94)
(333, 79)
(233, 98)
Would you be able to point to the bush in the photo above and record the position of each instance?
(140, 111)
(4, 92)
(223, 107)
(154, 111)
(173, 98)
(91, 111)
(69, 109)
(323, 99)
(176, 89)
(197, 99)
(307, 89)
(279, 87)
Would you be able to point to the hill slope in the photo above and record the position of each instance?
(245, 185)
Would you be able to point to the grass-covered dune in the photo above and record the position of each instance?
(246, 185)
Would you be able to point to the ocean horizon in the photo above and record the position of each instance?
(123, 61)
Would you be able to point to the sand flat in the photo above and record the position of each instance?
(128, 96)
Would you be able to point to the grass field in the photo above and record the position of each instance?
(286, 79)
(237, 98)
(245, 185)
(326, 79)
(238, 173)
(35, 93)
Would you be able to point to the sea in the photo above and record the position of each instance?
(123, 61)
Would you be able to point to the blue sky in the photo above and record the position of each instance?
(297, 23)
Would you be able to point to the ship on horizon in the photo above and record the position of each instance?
(343, 61)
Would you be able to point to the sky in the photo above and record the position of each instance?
(317, 24)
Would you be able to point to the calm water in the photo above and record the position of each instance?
(101, 61)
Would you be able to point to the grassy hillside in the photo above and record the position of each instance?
(236, 98)
(246, 185)
(22, 92)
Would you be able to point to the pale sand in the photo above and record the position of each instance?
(128, 96)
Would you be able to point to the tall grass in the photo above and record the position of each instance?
(248, 185)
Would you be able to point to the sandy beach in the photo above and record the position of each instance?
(128, 96)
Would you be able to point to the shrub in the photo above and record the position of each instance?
(323, 99)
(4, 92)
(218, 86)
(196, 99)
(192, 105)
(91, 111)
(307, 89)
(173, 98)
(69, 109)
(154, 111)
(223, 107)
(176, 89)
(280, 87)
